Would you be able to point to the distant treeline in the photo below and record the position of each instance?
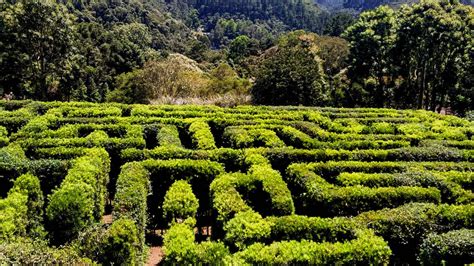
(278, 52)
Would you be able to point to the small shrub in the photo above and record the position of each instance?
(179, 244)
(13, 216)
(245, 228)
(121, 244)
(454, 247)
(180, 202)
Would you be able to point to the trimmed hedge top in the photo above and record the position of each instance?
(243, 185)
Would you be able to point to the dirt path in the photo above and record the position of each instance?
(107, 219)
(156, 255)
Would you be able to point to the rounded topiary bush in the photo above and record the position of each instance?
(180, 202)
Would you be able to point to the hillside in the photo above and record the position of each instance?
(362, 5)
(268, 52)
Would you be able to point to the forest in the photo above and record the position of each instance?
(229, 52)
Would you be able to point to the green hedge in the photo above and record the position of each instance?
(168, 136)
(25, 251)
(13, 162)
(92, 112)
(405, 227)
(367, 249)
(132, 189)
(237, 138)
(80, 199)
(21, 212)
(180, 247)
(180, 202)
(70, 210)
(13, 216)
(297, 227)
(121, 244)
(163, 173)
(245, 228)
(263, 187)
(298, 139)
(315, 196)
(330, 170)
(61, 153)
(451, 192)
(281, 202)
(15, 120)
(226, 200)
(465, 179)
(29, 185)
(3, 136)
(454, 247)
(109, 143)
(201, 136)
(230, 158)
(249, 227)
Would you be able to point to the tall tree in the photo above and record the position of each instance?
(35, 48)
(371, 40)
(291, 73)
(432, 51)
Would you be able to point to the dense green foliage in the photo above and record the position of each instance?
(99, 183)
(80, 200)
(416, 57)
(232, 52)
(292, 74)
(180, 202)
(451, 247)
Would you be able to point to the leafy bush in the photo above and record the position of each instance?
(3, 136)
(179, 244)
(121, 244)
(226, 200)
(131, 195)
(25, 251)
(237, 138)
(29, 185)
(365, 250)
(93, 170)
(453, 247)
(273, 184)
(212, 253)
(13, 216)
(405, 227)
(70, 210)
(180, 248)
(168, 136)
(245, 228)
(180, 203)
(201, 135)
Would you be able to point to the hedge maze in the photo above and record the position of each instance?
(243, 185)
